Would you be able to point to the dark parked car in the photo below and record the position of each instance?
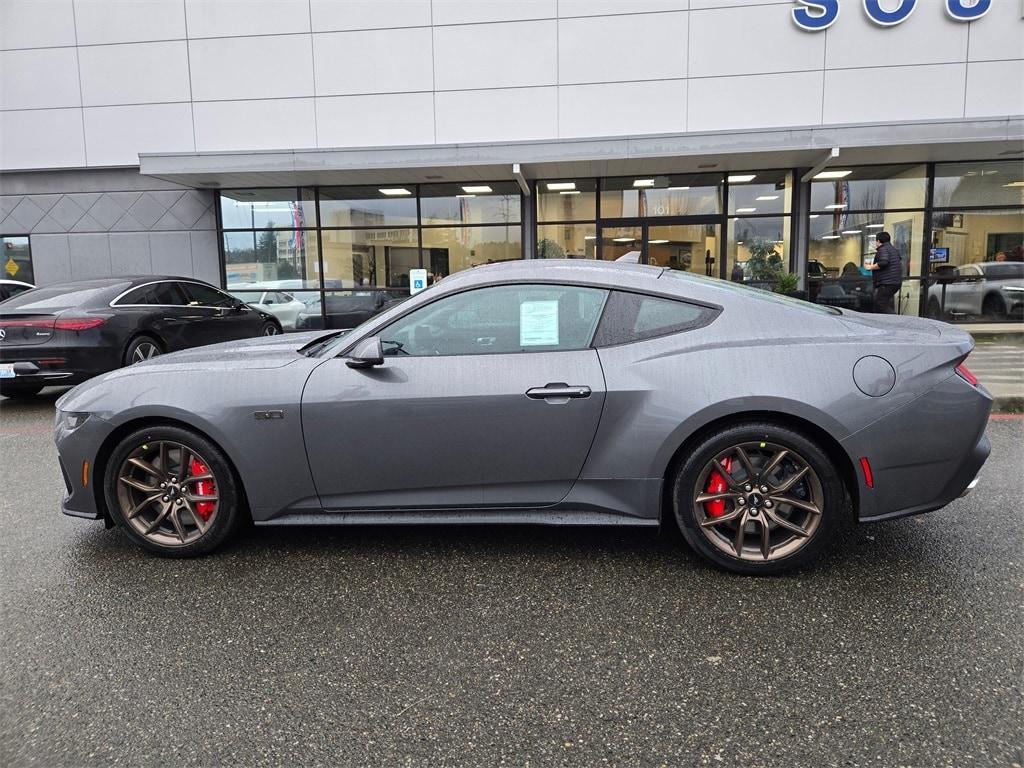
(553, 392)
(347, 310)
(67, 333)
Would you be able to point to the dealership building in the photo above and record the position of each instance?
(332, 146)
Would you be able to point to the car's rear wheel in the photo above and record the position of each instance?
(12, 389)
(994, 308)
(140, 349)
(172, 491)
(757, 499)
(270, 329)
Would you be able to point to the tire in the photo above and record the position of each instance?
(270, 329)
(993, 307)
(818, 485)
(197, 531)
(142, 348)
(20, 390)
(934, 310)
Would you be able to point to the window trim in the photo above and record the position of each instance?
(114, 302)
(708, 316)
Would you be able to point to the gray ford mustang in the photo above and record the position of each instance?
(550, 392)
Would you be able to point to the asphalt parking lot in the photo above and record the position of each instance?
(474, 646)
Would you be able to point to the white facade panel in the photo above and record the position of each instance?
(340, 15)
(751, 41)
(929, 36)
(995, 88)
(569, 8)
(35, 24)
(912, 93)
(474, 11)
(41, 138)
(229, 18)
(382, 119)
(266, 67)
(496, 55)
(647, 46)
(506, 114)
(999, 35)
(129, 21)
(116, 135)
(615, 109)
(755, 101)
(374, 61)
(257, 124)
(134, 73)
(39, 78)
(703, 5)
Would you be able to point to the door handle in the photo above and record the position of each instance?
(557, 390)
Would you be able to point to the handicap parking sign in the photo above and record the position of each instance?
(417, 280)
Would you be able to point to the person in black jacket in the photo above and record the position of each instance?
(887, 274)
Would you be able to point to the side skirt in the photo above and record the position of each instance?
(469, 517)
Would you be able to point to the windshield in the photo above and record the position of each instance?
(754, 293)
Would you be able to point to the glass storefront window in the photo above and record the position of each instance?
(620, 242)
(368, 206)
(977, 184)
(566, 241)
(870, 188)
(757, 248)
(684, 247)
(273, 257)
(347, 309)
(447, 250)
(16, 260)
(567, 200)
(470, 203)
(369, 257)
(287, 208)
(767, 192)
(675, 195)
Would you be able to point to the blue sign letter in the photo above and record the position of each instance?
(961, 12)
(826, 13)
(888, 18)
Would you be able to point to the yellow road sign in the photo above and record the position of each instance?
(11, 267)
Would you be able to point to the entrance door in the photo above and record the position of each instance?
(687, 244)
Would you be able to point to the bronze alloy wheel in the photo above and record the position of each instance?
(167, 493)
(758, 501)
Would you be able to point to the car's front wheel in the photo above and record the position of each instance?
(270, 329)
(757, 499)
(172, 491)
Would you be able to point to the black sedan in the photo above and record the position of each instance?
(67, 333)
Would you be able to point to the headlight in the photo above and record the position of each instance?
(69, 420)
(1012, 288)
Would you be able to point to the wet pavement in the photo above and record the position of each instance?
(493, 646)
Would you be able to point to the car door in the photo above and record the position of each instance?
(218, 316)
(964, 296)
(486, 398)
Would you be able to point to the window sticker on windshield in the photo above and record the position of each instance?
(538, 323)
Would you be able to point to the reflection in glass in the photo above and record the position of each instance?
(287, 208)
(624, 243)
(567, 200)
(566, 241)
(16, 259)
(768, 192)
(369, 257)
(756, 248)
(347, 309)
(675, 195)
(447, 250)
(471, 203)
(280, 258)
(366, 207)
(974, 184)
(684, 247)
(871, 188)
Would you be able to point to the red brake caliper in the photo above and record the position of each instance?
(717, 484)
(203, 488)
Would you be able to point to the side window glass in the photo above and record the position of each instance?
(166, 293)
(502, 319)
(634, 317)
(204, 295)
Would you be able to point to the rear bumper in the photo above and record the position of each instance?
(926, 455)
(57, 365)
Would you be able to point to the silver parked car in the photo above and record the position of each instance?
(991, 289)
(548, 392)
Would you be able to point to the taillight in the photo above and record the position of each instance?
(37, 323)
(79, 323)
(964, 373)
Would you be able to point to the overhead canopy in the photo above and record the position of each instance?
(941, 140)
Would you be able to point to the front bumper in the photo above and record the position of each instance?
(83, 483)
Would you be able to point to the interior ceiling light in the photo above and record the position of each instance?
(569, 192)
(465, 195)
(832, 175)
(556, 186)
(875, 226)
(590, 237)
(657, 242)
(830, 237)
(836, 206)
(745, 210)
(851, 231)
(1014, 184)
(623, 239)
(767, 197)
(394, 191)
(742, 178)
(676, 189)
(482, 189)
(643, 182)
(814, 215)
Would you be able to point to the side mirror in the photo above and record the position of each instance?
(238, 305)
(367, 354)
